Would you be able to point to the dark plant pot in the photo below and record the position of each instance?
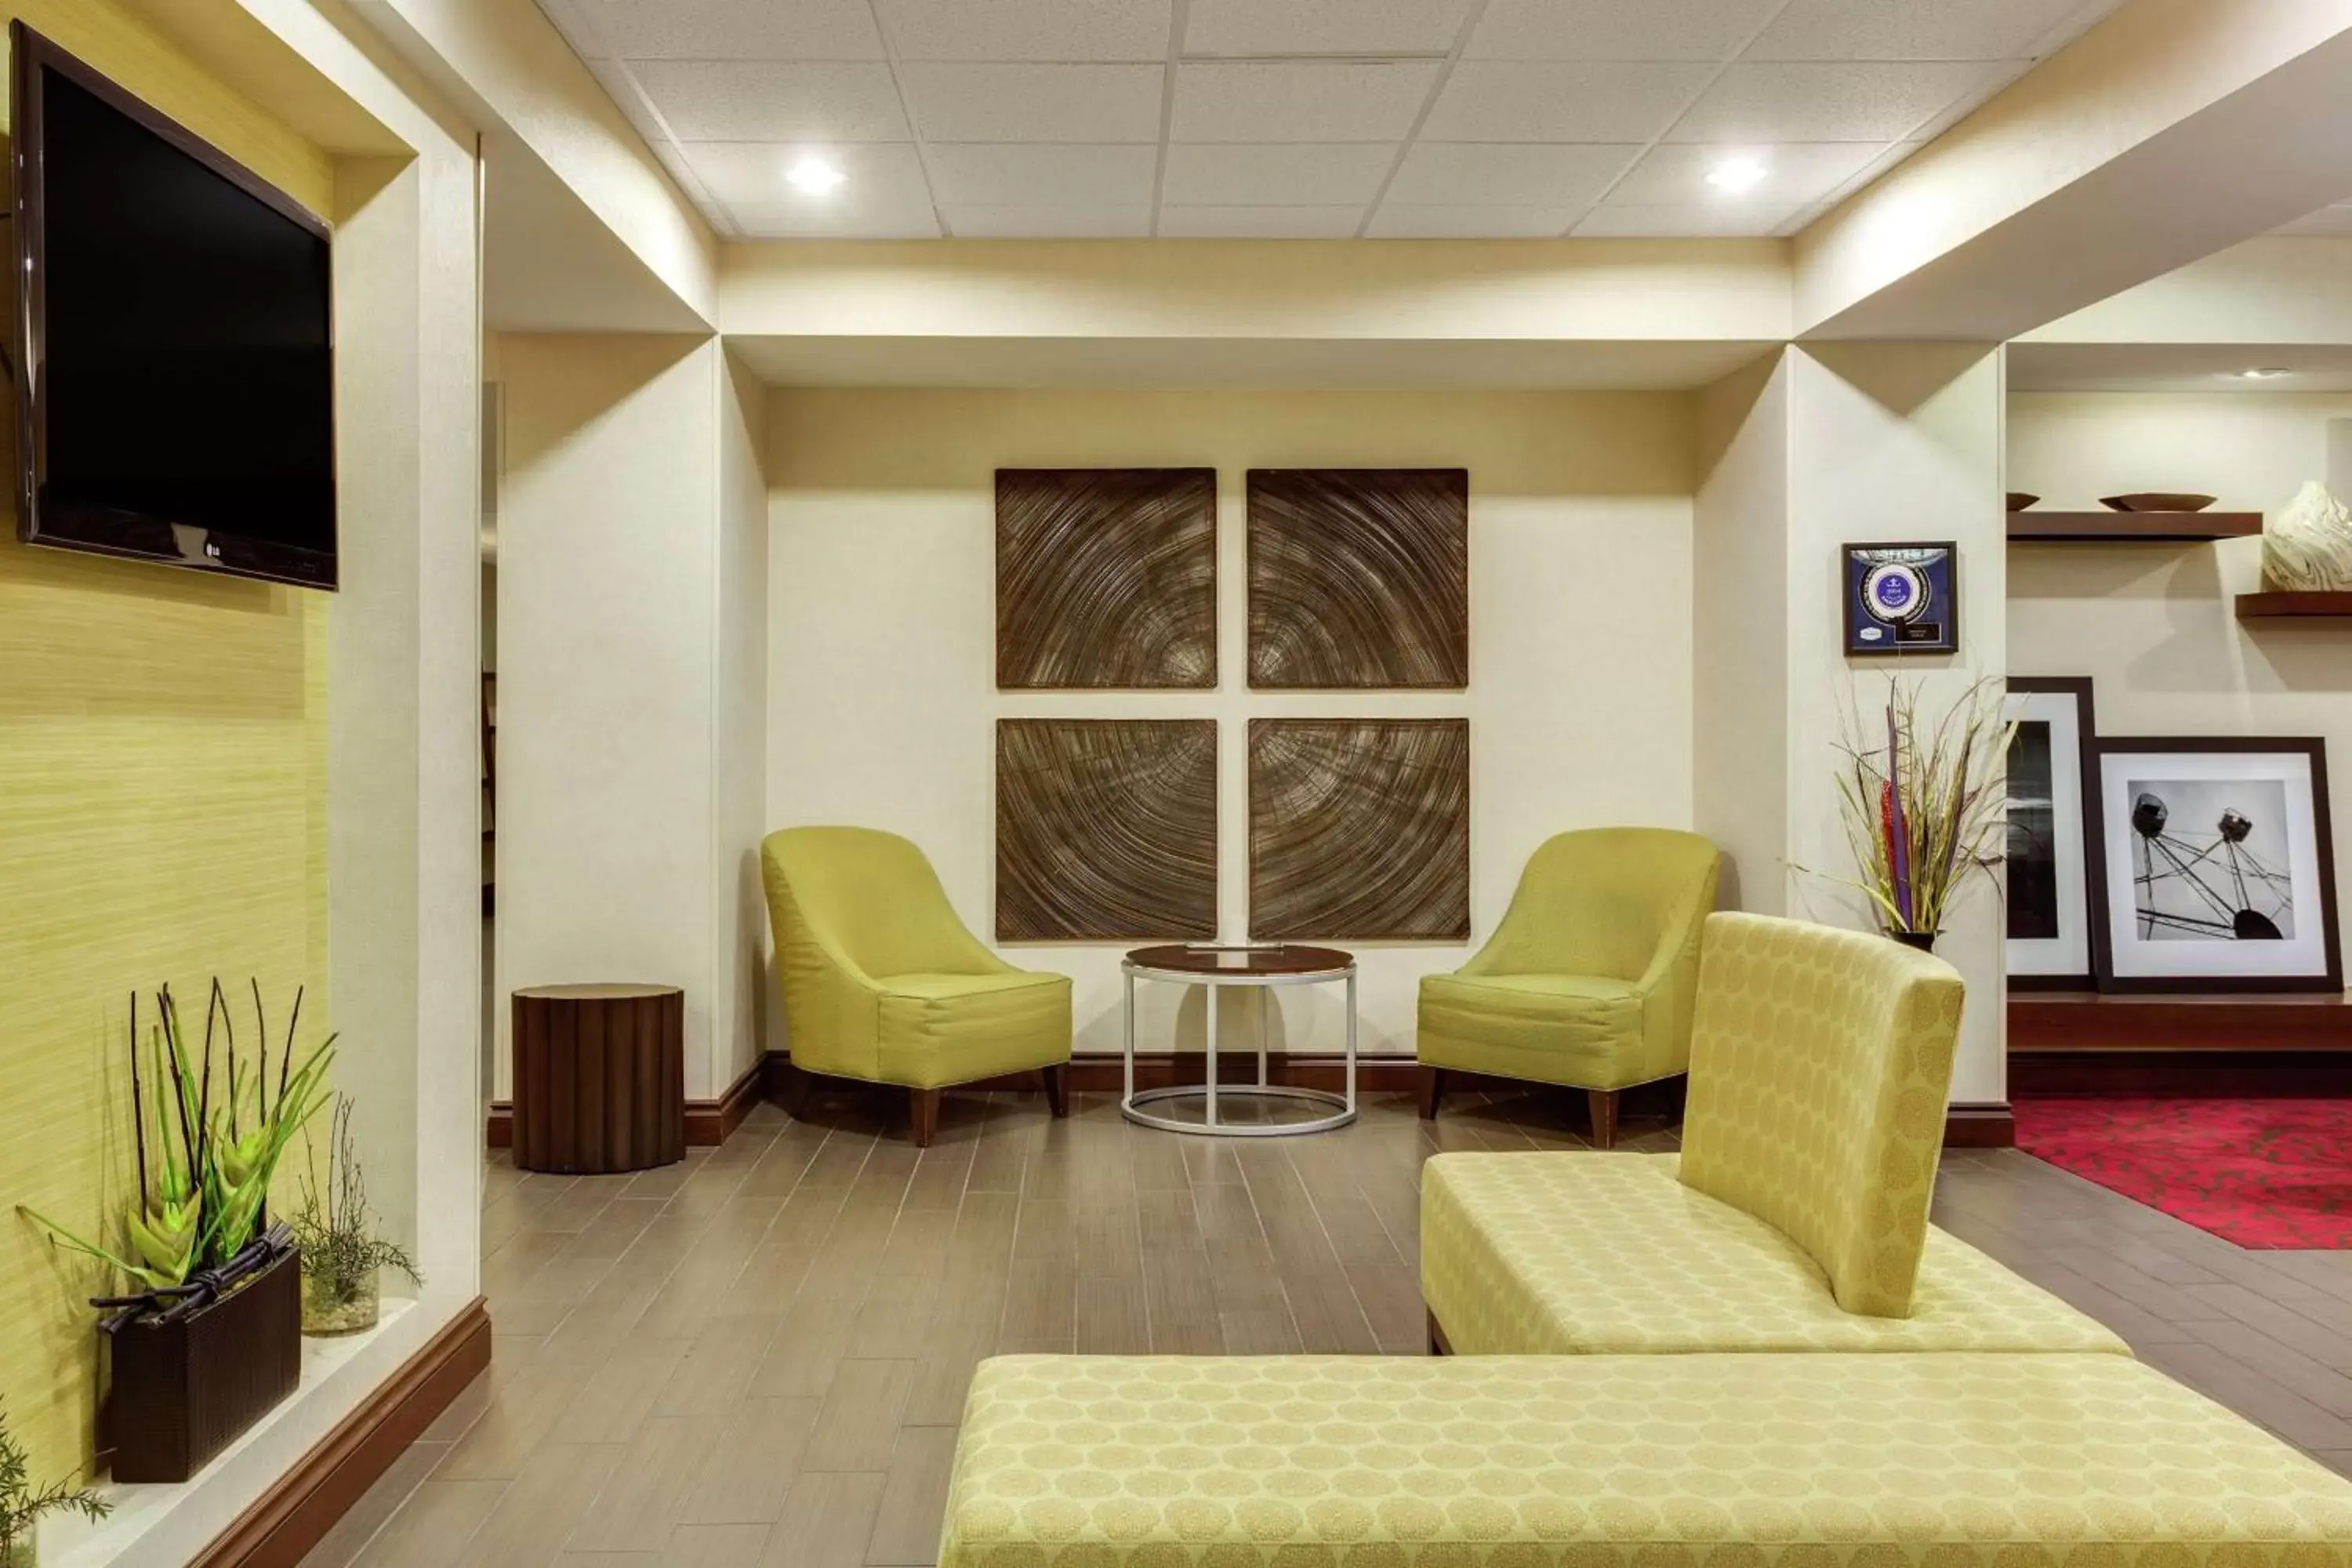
(179, 1392)
(1925, 940)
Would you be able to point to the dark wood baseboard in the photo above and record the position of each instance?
(1965, 1126)
(2085, 1021)
(2227, 1074)
(294, 1515)
(1979, 1127)
(707, 1122)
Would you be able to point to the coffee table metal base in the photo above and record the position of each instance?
(1132, 1101)
(1343, 1113)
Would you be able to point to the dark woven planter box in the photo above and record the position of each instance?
(180, 1392)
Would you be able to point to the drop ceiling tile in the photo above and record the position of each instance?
(1796, 173)
(741, 173)
(2087, 14)
(1503, 174)
(792, 220)
(620, 85)
(2334, 220)
(1300, 100)
(1132, 221)
(587, 44)
(1495, 100)
(672, 158)
(1101, 103)
(733, 29)
(766, 100)
(998, 174)
(1259, 223)
(1278, 175)
(884, 195)
(1999, 74)
(1916, 30)
(1323, 27)
(1693, 220)
(1616, 29)
(1759, 105)
(1043, 31)
(1394, 221)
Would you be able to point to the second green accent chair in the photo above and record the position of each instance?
(883, 983)
(1588, 982)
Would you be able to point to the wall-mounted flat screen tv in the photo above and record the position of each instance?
(175, 356)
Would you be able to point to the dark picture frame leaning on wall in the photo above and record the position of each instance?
(2055, 904)
(1901, 597)
(2220, 865)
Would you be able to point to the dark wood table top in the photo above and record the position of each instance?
(1287, 959)
(602, 992)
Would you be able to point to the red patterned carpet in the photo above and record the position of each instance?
(2261, 1173)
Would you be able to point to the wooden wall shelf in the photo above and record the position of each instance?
(2279, 605)
(2086, 1022)
(2131, 527)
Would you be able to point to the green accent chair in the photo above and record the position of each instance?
(1588, 981)
(883, 983)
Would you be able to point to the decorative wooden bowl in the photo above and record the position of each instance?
(2019, 501)
(2157, 500)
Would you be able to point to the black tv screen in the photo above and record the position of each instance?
(175, 334)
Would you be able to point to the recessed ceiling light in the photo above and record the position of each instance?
(2262, 373)
(1736, 174)
(818, 176)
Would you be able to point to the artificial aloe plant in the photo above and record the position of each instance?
(21, 1506)
(204, 1183)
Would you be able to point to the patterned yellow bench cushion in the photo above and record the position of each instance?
(1560, 1254)
(1701, 1461)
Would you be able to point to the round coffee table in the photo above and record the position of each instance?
(1205, 963)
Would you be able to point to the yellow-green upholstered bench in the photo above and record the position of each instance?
(1608, 1254)
(1698, 1461)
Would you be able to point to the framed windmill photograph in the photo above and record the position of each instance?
(2219, 864)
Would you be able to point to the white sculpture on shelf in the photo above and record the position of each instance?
(2307, 546)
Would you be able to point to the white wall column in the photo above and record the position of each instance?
(632, 654)
(1824, 445)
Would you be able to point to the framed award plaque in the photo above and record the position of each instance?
(1902, 598)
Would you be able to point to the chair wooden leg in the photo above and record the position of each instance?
(1603, 1105)
(1057, 1087)
(1437, 1345)
(1432, 1089)
(924, 1106)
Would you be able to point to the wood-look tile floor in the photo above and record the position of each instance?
(760, 1356)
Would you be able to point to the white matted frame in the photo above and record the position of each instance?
(2071, 959)
(2193, 869)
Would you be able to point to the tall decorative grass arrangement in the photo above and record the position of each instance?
(207, 1144)
(1923, 807)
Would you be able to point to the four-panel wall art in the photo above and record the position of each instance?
(1358, 580)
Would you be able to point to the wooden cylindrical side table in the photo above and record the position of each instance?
(599, 1077)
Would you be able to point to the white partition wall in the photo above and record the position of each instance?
(1829, 445)
(632, 554)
